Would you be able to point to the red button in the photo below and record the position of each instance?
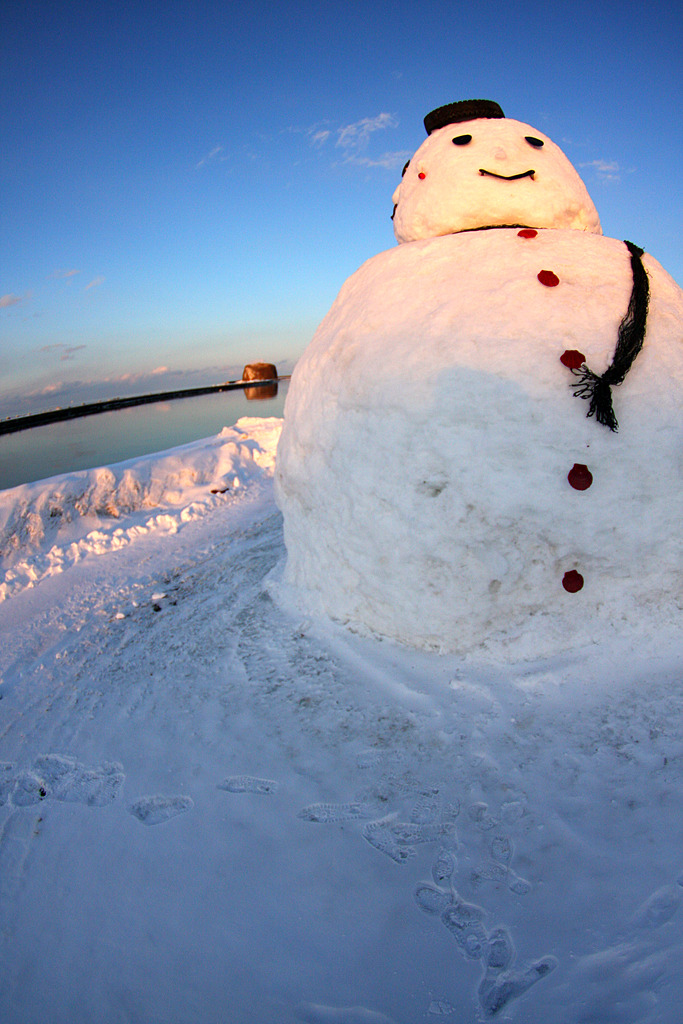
(422, 175)
(527, 233)
(572, 581)
(547, 278)
(572, 358)
(580, 477)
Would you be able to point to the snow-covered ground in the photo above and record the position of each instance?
(213, 810)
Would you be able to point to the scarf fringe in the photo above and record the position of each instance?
(598, 389)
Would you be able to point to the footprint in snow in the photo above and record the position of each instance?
(61, 778)
(492, 871)
(465, 923)
(154, 810)
(68, 780)
(496, 994)
(501, 849)
(484, 821)
(518, 885)
(431, 900)
(380, 836)
(660, 907)
(330, 813)
(498, 868)
(444, 867)
(408, 832)
(248, 784)
(427, 808)
(499, 952)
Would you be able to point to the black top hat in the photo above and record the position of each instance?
(465, 110)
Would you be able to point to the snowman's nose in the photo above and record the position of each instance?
(500, 154)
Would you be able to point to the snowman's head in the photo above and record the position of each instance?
(480, 169)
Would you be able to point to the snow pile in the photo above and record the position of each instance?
(48, 525)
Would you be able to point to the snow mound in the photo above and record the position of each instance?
(50, 524)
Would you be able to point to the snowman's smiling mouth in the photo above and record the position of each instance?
(508, 177)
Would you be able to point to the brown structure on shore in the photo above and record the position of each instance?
(261, 372)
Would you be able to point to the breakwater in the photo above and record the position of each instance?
(41, 419)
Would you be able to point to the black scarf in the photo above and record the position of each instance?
(598, 390)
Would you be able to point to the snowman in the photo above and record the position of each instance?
(482, 448)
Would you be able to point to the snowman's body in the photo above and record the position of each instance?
(430, 428)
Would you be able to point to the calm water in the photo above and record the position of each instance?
(124, 434)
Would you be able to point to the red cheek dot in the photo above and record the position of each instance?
(580, 477)
(572, 358)
(527, 233)
(572, 581)
(422, 175)
(549, 279)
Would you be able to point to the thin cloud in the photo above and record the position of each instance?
(354, 139)
(390, 161)
(355, 136)
(212, 157)
(606, 170)
(94, 283)
(319, 137)
(66, 352)
(317, 133)
(9, 300)
(132, 378)
(64, 274)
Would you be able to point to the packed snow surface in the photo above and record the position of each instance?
(430, 430)
(215, 809)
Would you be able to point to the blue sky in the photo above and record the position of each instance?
(185, 186)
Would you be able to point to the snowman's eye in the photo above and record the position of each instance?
(404, 169)
(533, 141)
(462, 140)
